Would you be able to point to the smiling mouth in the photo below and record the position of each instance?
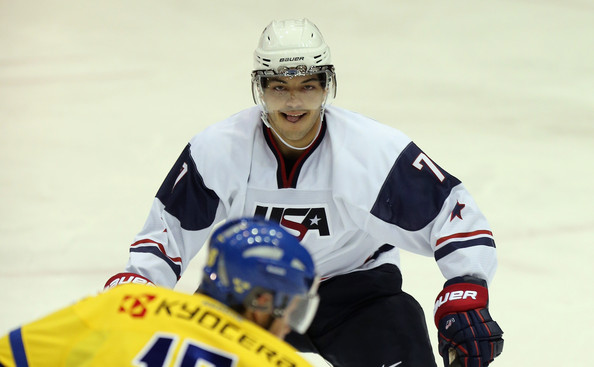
(293, 116)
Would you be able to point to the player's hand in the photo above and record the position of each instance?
(468, 336)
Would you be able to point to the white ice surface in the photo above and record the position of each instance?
(97, 99)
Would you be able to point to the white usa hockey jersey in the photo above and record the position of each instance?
(360, 193)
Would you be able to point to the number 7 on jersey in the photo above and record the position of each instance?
(422, 158)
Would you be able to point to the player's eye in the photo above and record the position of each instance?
(278, 88)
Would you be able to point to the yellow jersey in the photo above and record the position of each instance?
(140, 325)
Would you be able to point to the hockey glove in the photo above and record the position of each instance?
(124, 278)
(465, 325)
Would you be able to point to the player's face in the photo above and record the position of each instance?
(294, 105)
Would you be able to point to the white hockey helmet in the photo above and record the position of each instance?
(290, 43)
(292, 47)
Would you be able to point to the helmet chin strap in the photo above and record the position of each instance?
(264, 117)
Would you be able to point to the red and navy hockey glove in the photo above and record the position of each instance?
(465, 325)
(124, 278)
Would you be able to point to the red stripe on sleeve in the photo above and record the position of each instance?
(463, 235)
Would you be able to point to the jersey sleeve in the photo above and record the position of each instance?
(424, 209)
(179, 222)
(44, 342)
(206, 185)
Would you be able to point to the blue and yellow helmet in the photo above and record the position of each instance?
(251, 256)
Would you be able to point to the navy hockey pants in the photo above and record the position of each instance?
(366, 320)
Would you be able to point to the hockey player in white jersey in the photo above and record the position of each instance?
(354, 191)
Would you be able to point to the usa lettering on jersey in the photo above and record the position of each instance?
(301, 220)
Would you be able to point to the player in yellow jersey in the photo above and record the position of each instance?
(259, 283)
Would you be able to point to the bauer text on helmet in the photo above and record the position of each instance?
(293, 47)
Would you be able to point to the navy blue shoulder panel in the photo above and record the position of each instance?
(185, 195)
(414, 191)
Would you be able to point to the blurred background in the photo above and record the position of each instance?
(98, 98)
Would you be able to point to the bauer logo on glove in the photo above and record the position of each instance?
(468, 336)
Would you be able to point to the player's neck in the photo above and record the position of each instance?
(288, 153)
